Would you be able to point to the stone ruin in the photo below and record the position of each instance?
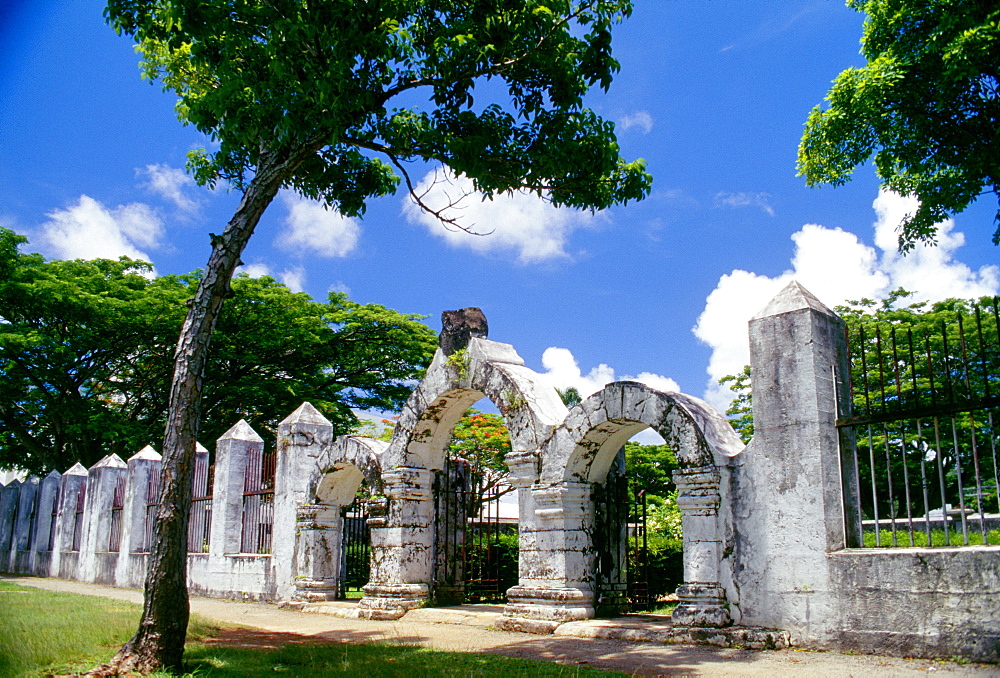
(764, 540)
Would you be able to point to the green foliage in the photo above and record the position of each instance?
(86, 353)
(740, 410)
(459, 361)
(649, 467)
(570, 396)
(926, 106)
(955, 538)
(368, 87)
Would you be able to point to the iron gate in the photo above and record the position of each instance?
(622, 567)
(476, 550)
(355, 564)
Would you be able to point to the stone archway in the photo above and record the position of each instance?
(333, 482)
(557, 564)
(465, 369)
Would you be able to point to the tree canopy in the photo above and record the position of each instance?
(926, 107)
(86, 351)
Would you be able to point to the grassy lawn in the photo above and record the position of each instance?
(43, 632)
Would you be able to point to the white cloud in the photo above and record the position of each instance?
(89, 230)
(313, 230)
(562, 371)
(522, 222)
(292, 278)
(169, 183)
(836, 267)
(641, 120)
(738, 200)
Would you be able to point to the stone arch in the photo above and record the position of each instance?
(530, 408)
(557, 555)
(583, 448)
(332, 483)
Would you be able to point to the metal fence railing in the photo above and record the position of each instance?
(258, 502)
(200, 521)
(152, 502)
(81, 498)
(117, 504)
(924, 429)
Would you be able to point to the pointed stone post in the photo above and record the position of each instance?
(20, 543)
(48, 493)
(299, 527)
(130, 569)
(64, 561)
(231, 452)
(101, 480)
(9, 496)
(789, 513)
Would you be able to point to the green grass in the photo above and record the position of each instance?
(45, 633)
(937, 538)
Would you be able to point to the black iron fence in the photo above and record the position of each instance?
(620, 542)
(152, 502)
(356, 555)
(922, 434)
(81, 498)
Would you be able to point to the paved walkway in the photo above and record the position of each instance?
(467, 629)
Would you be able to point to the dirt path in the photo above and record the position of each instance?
(273, 627)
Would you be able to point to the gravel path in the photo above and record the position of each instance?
(427, 629)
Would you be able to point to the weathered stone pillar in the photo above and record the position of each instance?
(556, 560)
(231, 452)
(72, 483)
(302, 438)
(101, 479)
(48, 493)
(20, 543)
(130, 570)
(319, 533)
(402, 551)
(702, 598)
(8, 509)
(789, 512)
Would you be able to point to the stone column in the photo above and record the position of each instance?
(556, 560)
(302, 438)
(789, 511)
(9, 495)
(231, 453)
(20, 544)
(403, 550)
(101, 479)
(319, 533)
(48, 493)
(702, 598)
(72, 483)
(130, 569)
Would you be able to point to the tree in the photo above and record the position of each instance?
(740, 410)
(86, 353)
(326, 98)
(926, 107)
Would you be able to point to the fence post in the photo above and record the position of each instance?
(25, 525)
(72, 483)
(789, 512)
(48, 495)
(130, 569)
(9, 495)
(231, 452)
(302, 437)
(101, 479)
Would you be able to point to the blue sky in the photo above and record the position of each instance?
(712, 94)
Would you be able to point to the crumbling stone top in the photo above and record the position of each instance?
(459, 327)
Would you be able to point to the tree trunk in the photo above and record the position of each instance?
(159, 642)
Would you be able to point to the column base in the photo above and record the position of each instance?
(387, 602)
(539, 609)
(701, 606)
(315, 590)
